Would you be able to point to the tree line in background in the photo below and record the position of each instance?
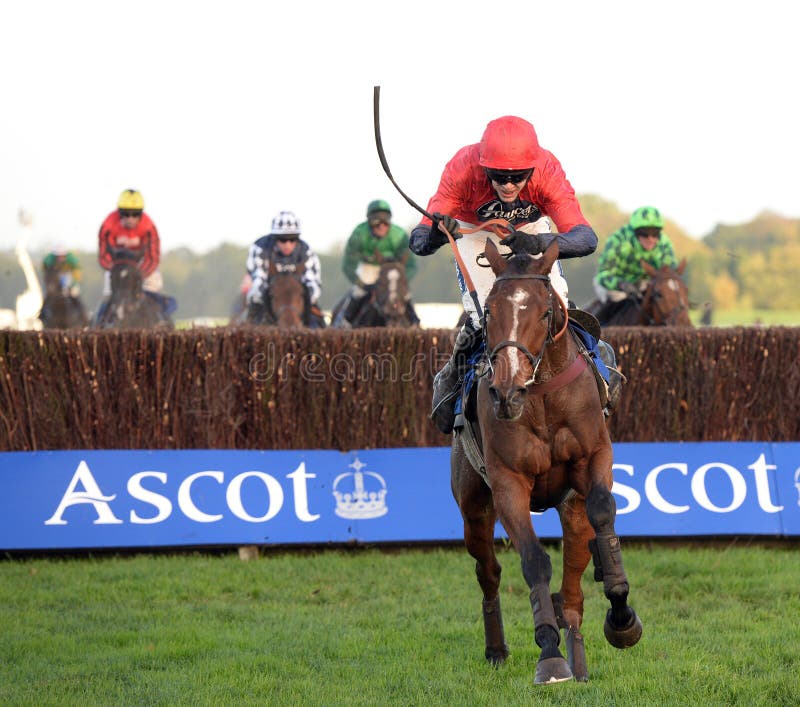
(749, 266)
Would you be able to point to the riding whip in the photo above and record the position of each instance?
(376, 101)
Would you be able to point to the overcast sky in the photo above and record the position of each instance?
(224, 113)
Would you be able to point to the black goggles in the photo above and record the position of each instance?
(125, 213)
(508, 176)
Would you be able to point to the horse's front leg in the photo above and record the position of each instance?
(475, 502)
(622, 627)
(577, 533)
(512, 494)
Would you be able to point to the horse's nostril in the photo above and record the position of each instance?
(517, 397)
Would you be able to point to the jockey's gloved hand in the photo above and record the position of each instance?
(530, 243)
(255, 296)
(629, 288)
(449, 223)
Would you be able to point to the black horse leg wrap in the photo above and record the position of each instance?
(493, 620)
(543, 612)
(608, 568)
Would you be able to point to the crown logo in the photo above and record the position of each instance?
(358, 501)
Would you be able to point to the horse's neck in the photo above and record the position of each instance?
(558, 354)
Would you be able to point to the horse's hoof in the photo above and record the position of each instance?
(552, 670)
(623, 637)
(497, 656)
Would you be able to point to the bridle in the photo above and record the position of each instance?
(535, 361)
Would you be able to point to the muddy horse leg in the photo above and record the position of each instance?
(577, 532)
(622, 627)
(512, 502)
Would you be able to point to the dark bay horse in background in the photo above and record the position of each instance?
(286, 301)
(130, 307)
(61, 310)
(387, 303)
(663, 301)
(538, 423)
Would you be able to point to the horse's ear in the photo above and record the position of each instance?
(550, 255)
(496, 261)
(649, 269)
(273, 270)
(681, 266)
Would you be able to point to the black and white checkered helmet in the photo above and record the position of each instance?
(285, 224)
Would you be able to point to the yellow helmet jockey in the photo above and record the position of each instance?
(130, 200)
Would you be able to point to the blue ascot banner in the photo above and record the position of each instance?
(139, 499)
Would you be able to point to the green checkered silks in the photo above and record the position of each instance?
(621, 258)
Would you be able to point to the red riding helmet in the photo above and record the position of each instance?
(509, 143)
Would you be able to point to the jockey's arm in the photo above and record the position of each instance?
(352, 257)
(312, 277)
(578, 241)
(152, 253)
(609, 272)
(255, 260)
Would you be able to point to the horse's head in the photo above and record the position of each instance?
(126, 281)
(521, 314)
(287, 294)
(665, 301)
(391, 291)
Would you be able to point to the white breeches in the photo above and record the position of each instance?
(471, 245)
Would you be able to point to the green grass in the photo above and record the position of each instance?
(366, 627)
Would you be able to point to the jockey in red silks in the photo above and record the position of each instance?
(507, 175)
(130, 234)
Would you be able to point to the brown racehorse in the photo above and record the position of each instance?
(545, 445)
(663, 301)
(61, 310)
(387, 305)
(287, 299)
(130, 307)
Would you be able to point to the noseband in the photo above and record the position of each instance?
(534, 360)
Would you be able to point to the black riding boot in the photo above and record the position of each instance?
(447, 382)
(102, 308)
(348, 312)
(352, 308)
(615, 378)
(411, 314)
(256, 312)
